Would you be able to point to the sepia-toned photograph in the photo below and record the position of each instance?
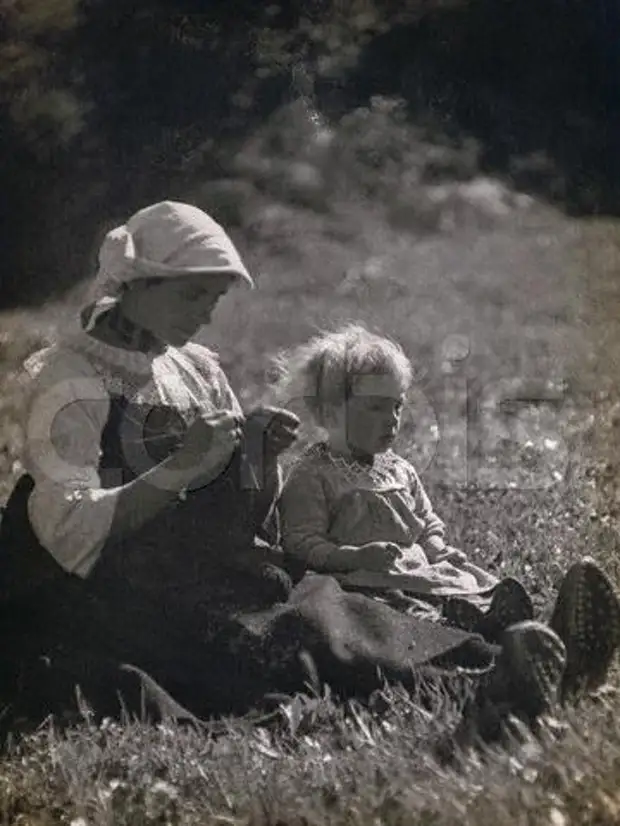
(309, 412)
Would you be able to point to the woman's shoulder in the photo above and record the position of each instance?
(57, 362)
(58, 379)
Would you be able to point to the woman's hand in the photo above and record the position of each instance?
(278, 428)
(210, 440)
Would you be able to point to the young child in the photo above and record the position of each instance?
(354, 508)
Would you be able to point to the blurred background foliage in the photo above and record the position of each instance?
(106, 105)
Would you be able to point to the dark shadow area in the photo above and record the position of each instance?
(155, 84)
(536, 82)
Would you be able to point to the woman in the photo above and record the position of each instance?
(134, 535)
(144, 479)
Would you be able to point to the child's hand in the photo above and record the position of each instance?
(411, 558)
(452, 555)
(377, 556)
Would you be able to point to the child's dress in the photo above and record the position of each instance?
(329, 502)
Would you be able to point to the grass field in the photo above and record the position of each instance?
(508, 310)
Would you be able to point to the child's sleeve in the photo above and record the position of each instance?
(304, 515)
(432, 538)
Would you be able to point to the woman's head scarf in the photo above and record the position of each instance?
(166, 240)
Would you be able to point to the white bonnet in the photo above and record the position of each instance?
(167, 239)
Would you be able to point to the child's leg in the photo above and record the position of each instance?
(459, 612)
(404, 603)
(540, 664)
(510, 604)
(412, 606)
(586, 616)
(524, 683)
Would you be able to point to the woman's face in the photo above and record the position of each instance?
(174, 309)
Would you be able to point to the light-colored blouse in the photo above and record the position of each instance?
(70, 401)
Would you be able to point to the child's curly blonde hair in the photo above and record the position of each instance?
(321, 373)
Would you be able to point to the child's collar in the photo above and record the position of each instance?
(357, 457)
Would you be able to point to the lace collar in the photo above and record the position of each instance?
(377, 472)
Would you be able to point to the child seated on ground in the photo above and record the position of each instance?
(355, 509)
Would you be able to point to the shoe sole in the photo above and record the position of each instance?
(586, 617)
(510, 604)
(534, 658)
(524, 684)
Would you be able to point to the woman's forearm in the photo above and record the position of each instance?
(75, 525)
(139, 501)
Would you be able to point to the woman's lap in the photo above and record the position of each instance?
(196, 643)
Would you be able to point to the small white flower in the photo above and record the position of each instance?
(557, 818)
(165, 789)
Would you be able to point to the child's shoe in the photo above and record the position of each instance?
(459, 612)
(510, 604)
(586, 617)
(524, 684)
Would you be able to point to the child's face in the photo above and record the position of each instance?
(370, 419)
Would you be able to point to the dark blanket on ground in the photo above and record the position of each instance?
(353, 642)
